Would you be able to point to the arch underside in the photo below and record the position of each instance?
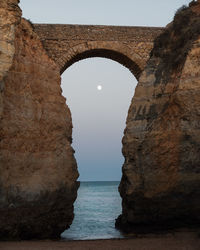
(105, 53)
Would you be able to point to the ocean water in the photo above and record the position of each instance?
(97, 206)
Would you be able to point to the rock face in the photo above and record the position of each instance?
(38, 171)
(160, 186)
(9, 16)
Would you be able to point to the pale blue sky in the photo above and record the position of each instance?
(99, 116)
(109, 12)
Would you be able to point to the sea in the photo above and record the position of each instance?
(97, 206)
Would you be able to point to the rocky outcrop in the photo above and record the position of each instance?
(160, 186)
(9, 17)
(38, 171)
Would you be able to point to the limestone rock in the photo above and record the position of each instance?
(160, 186)
(38, 171)
(9, 16)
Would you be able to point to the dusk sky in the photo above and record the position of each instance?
(99, 115)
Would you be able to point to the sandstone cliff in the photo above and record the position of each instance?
(160, 186)
(9, 17)
(38, 171)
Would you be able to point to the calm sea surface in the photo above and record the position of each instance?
(97, 206)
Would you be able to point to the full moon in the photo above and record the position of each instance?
(99, 87)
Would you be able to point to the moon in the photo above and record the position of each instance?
(99, 87)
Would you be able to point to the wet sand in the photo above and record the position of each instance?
(170, 241)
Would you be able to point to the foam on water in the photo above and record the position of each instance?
(97, 206)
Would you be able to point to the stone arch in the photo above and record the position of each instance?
(105, 53)
(111, 50)
(66, 44)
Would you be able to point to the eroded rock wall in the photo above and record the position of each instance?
(160, 186)
(10, 15)
(38, 171)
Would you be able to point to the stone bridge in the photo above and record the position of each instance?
(67, 44)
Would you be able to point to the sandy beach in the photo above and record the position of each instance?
(170, 241)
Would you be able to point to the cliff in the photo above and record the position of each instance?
(160, 187)
(38, 171)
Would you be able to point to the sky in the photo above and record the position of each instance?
(99, 116)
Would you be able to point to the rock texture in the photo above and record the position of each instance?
(38, 171)
(160, 186)
(9, 16)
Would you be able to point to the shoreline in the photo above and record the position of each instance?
(179, 240)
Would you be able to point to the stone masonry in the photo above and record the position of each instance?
(67, 44)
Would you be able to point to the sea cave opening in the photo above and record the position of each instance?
(98, 92)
